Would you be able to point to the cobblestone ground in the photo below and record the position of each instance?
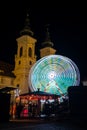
(58, 125)
(44, 127)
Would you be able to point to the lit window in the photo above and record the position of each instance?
(2, 71)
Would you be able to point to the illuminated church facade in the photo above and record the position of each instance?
(25, 59)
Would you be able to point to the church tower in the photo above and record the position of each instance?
(25, 57)
(47, 46)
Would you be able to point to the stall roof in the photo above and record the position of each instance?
(41, 93)
(7, 89)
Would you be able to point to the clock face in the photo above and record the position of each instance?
(54, 74)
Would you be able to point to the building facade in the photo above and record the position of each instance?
(6, 75)
(25, 59)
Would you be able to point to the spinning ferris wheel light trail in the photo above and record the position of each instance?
(54, 74)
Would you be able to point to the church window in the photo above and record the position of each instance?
(21, 51)
(30, 63)
(19, 62)
(17, 85)
(30, 52)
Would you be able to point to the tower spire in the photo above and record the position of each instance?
(26, 30)
(47, 42)
(47, 33)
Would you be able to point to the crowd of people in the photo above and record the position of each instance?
(40, 108)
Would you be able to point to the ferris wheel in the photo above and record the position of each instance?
(54, 74)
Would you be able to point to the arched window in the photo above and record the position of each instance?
(21, 51)
(29, 52)
(19, 62)
(30, 63)
(17, 85)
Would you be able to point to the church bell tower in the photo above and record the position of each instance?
(47, 46)
(25, 57)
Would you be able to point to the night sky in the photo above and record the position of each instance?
(67, 27)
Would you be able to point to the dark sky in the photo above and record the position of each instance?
(68, 29)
